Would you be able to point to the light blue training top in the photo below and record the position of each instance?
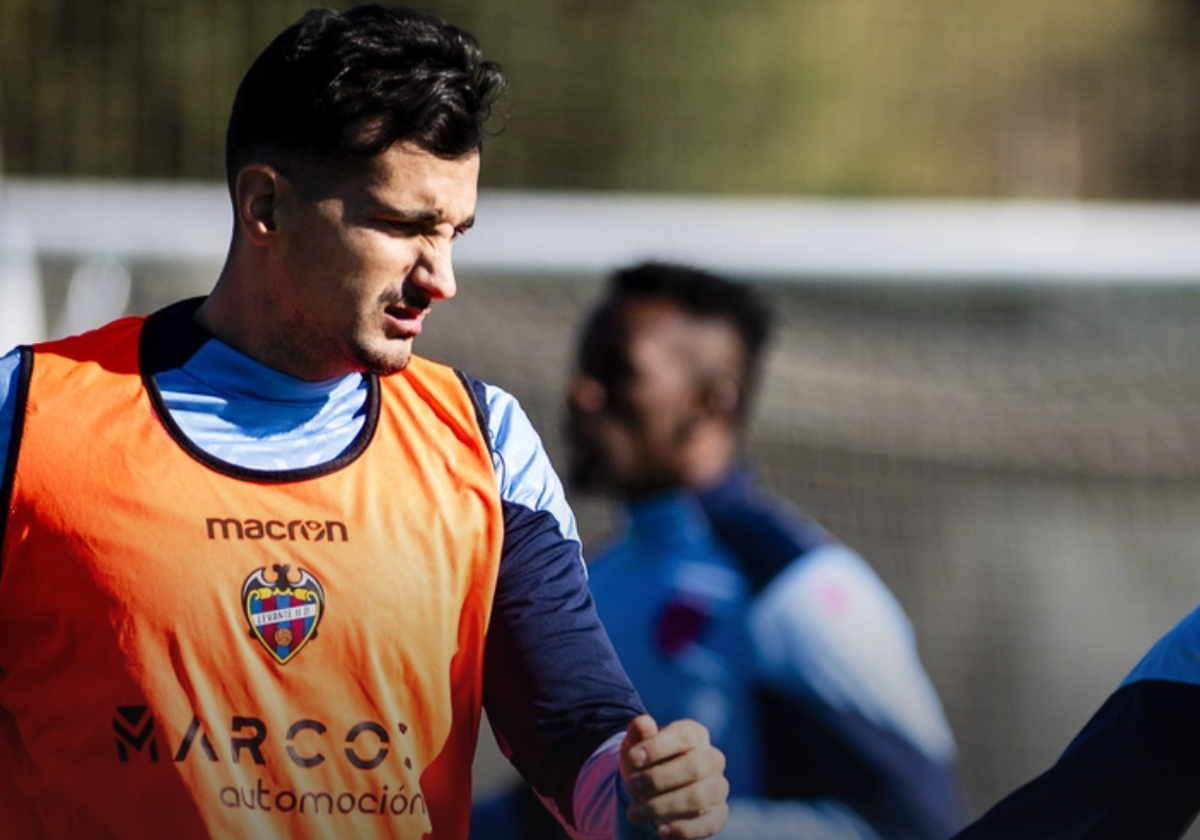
(253, 416)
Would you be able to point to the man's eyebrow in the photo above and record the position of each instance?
(420, 217)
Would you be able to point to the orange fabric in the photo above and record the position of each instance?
(139, 696)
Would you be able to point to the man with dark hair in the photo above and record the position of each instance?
(728, 606)
(260, 566)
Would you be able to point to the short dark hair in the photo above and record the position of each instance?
(337, 88)
(698, 293)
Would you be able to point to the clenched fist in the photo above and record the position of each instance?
(675, 777)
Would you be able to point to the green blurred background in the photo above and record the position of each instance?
(981, 98)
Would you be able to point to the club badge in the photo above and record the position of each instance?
(283, 615)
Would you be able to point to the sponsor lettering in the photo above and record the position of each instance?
(134, 728)
(309, 530)
(366, 745)
(383, 801)
(289, 614)
(367, 742)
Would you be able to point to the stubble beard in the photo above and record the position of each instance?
(330, 356)
(382, 362)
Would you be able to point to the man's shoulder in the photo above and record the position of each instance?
(525, 473)
(494, 404)
(830, 628)
(500, 413)
(497, 412)
(1174, 658)
(422, 369)
(86, 346)
(765, 532)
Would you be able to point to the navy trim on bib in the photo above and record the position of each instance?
(169, 338)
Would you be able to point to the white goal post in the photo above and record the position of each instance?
(879, 241)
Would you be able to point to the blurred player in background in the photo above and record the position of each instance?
(261, 566)
(729, 606)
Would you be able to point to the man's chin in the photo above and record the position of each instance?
(387, 369)
(385, 363)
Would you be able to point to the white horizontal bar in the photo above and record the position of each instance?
(789, 239)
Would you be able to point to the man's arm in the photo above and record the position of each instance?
(855, 741)
(555, 692)
(1132, 772)
(553, 688)
(10, 372)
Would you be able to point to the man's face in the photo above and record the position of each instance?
(632, 403)
(361, 263)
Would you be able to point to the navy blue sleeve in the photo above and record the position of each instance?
(10, 378)
(1132, 773)
(554, 689)
(15, 369)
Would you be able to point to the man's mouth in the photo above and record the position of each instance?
(405, 320)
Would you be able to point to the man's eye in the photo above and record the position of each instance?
(407, 228)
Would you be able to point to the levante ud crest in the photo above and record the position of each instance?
(283, 614)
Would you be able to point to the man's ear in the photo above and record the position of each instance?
(257, 190)
(721, 397)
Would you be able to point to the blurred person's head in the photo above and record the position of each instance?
(665, 367)
(352, 154)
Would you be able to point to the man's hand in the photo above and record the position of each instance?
(675, 777)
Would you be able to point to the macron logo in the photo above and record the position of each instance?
(309, 530)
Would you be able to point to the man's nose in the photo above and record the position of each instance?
(435, 274)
